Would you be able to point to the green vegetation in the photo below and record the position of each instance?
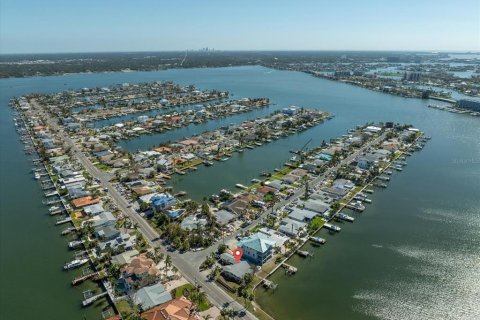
(194, 294)
(102, 166)
(316, 223)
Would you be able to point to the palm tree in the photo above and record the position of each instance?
(168, 261)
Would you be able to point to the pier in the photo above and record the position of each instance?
(86, 275)
(63, 220)
(289, 269)
(92, 299)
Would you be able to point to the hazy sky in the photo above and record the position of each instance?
(153, 25)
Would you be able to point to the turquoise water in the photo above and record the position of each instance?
(413, 254)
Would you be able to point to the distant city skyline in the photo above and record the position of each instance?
(54, 26)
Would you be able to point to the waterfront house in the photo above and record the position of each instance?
(105, 218)
(273, 235)
(336, 192)
(176, 309)
(256, 248)
(343, 183)
(140, 272)
(264, 190)
(317, 206)
(276, 184)
(302, 215)
(118, 244)
(124, 257)
(291, 227)
(151, 296)
(107, 232)
(240, 204)
(237, 271)
(84, 201)
(163, 201)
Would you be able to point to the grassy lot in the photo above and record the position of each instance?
(315, 224)
(102, 166)
(124, 308)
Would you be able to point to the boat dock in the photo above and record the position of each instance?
(87, 274)
(92, 299)
(63, 220)
(269, 284)
(289, 269)
(68, 230)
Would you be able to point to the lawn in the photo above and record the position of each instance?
(103, 167)
(316, 223)
(124, 307)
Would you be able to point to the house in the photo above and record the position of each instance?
(151, 296)
(107, 232)
(123, 242)
(290, 178)
(276, 184)
(273, 235)
(124, 257)
(163, 201)
(291, 227)
(105, 218)
(176, 309)
(336, 192)
(193, 222)
(85, 201)
(224, 217)
(141, 271)
(314, 205)
(237, 271)
(266, 190)
(344, 183)
(227, 258)
(302, 215)
(256, 248)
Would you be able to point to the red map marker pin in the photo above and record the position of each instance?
(237, 254)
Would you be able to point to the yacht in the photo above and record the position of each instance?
(75, 263)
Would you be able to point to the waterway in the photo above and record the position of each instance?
(412, 254)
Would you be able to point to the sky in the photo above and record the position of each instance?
(48, 26)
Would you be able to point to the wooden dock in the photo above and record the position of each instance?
(92, 299)
(84, 277)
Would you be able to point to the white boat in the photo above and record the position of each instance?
(255, 180)
(75, 243)
(345, 217)
(75, 263)
(36, 176)
(332, 227)
(241, 186)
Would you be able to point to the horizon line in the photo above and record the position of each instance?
(472, 51)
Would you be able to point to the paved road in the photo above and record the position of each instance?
(191, 272)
